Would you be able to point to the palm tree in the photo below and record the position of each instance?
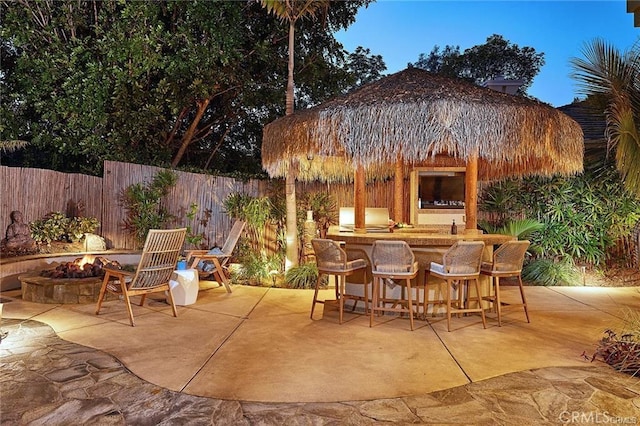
(291, 11)
(606, 72)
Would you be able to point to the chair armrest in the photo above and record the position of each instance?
(120, 274)
(192, 252)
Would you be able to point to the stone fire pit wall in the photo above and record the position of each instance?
(36, 288)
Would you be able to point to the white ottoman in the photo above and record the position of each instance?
(184, 286)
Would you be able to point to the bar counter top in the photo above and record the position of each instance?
(417, 236)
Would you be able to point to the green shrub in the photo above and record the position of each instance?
(257, 269)
(302, 276)
(57, 227)
(324, 207)
(585, 216)
(551, 273)
(143, 205)
(191, 239)
(261, 260)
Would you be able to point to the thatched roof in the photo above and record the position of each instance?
(427, 120)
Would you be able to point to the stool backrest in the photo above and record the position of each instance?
(509, 257)
(328, 253)
(463, 257)
(392, 256)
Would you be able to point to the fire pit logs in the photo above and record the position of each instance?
(81, 268)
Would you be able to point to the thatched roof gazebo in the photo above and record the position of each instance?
(416, 118)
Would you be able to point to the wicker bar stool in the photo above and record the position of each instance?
(460, 265)
(393, 260)
(332, 260)
(507, 262)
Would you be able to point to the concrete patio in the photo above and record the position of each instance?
(258, 346)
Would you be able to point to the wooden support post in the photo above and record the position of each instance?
(360, 200)
(471, 193)
(398, 192)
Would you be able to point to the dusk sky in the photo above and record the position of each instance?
(399, 30)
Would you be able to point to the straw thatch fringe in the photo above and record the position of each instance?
(379, 123)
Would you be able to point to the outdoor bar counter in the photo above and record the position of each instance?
(427, 243)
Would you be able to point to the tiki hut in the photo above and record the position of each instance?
(415, 118)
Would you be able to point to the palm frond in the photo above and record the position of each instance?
(605, 70)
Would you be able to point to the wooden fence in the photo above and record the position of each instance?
(37, 192)
(208, 192)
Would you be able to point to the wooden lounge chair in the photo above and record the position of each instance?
(219, 258)
(157, 263)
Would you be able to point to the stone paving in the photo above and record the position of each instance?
(45, 380)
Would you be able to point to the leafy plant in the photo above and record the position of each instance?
(548, 272)
(143, 203)
(78, 226)
(621, 349)
(521, 228)
(257, 269)
(584, 216)
(259, 258)
(191, 239)
(304, 275)
(57, 227)
(324, 207)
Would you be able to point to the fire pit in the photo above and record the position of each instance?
(82, 267)
(69, 283)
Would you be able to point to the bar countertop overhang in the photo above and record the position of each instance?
(418, 236)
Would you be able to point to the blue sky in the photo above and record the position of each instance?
(399, 30)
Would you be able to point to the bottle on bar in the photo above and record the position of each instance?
(454, 228)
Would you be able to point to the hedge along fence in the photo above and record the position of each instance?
(36, 192)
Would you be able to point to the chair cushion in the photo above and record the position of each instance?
(436, 267)
(206, 266)
(452, 270)
(341, 267)
(500, 267)
(215, 250)
(392, 268)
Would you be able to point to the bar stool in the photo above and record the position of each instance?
(392, 260)
(460, 265)
(332, 260)
(507, 262)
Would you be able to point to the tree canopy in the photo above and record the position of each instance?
(497, 57)
(164, 82)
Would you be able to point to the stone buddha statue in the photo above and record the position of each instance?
(18, 237)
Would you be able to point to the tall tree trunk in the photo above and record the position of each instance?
(290, 180)
(203, 104)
